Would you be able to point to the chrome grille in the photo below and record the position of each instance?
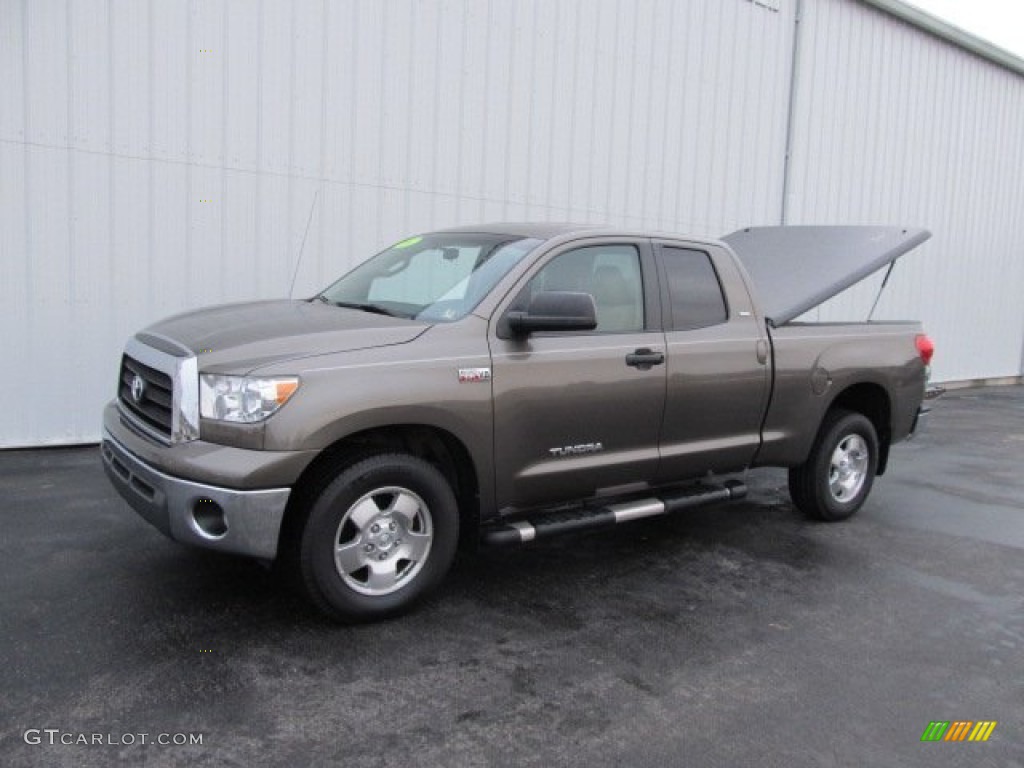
(155, 406)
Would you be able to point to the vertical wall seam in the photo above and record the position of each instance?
(290, 229)
(436, 122)
(325, 18)
(630, 120)
(66, 342)
(258, 191)
(485, 128)
(222, 195)
(614, 103)
(531, 78)
(112, 212)
(794, 84)
(26, 137)
(645, 166)
(151, 166)
(32, 426)
(571, 149)
(189, 55)
(669, 79)
(461, 119)
(552, 108)
(353, 53)
(70, 156)
(594, 71)
(382, 183)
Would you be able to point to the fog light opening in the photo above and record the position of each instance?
(209, 518)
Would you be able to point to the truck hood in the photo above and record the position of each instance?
(795, 269)
(237, 338)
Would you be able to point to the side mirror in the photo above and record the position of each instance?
(555, 311)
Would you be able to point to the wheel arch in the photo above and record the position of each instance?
(433, 444)
(873, 401)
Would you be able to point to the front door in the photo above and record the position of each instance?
(577, 413)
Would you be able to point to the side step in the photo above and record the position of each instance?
(556, 523)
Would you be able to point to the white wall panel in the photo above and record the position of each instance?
(15, 279)
(12, 66)
(170, 67)
(45, 71)
(158, 155)
(896, 126)
(130, 75)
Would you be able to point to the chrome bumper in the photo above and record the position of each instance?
(242, 522)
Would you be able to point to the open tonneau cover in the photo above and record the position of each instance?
(795, 269)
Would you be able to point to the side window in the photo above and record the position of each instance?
(609, 273)
(694, 291)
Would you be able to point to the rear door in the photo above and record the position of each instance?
(574, 413)
(717, 363)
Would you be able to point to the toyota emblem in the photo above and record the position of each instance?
(138, 388)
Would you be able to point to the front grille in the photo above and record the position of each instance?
(155, 408)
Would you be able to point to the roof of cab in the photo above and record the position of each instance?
(544, 230)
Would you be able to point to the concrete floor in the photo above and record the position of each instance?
(732, 636)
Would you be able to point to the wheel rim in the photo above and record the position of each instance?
(848, 468)
(383, 541)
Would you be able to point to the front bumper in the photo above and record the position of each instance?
(245, 522)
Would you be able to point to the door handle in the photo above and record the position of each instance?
(644, 359)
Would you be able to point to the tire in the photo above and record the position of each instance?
(377, 538)
(837, 476)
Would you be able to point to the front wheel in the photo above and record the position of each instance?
(378, 537)
(837, 476)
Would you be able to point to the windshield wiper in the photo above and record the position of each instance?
(375, 308)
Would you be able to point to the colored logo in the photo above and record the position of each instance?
(959, 730)
(474, 375)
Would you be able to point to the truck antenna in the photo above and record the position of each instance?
(302, 247)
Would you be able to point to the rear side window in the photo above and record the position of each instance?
(694, 291)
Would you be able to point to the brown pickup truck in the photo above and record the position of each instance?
(507, 382)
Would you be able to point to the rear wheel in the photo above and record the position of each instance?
(378, 537)
(837, 476)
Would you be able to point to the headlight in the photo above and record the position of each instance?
(241, 398)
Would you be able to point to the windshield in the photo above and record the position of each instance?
(438, 277)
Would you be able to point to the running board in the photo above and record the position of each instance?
(557, 523)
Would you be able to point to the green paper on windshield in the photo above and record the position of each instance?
(407, 242)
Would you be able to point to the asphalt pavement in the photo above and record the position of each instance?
(739, 635)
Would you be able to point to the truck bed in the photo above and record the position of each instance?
(815, 362)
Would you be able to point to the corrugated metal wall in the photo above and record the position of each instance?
(157, 156)
(893, 124)
(160, 155)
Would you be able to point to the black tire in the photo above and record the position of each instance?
(412, 506)
(824, 490)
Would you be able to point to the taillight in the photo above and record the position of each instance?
(925, 348)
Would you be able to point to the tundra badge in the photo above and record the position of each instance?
(576, 450)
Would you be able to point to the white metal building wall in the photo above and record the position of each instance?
(158, 155)
(895, 125)
(162, 155)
